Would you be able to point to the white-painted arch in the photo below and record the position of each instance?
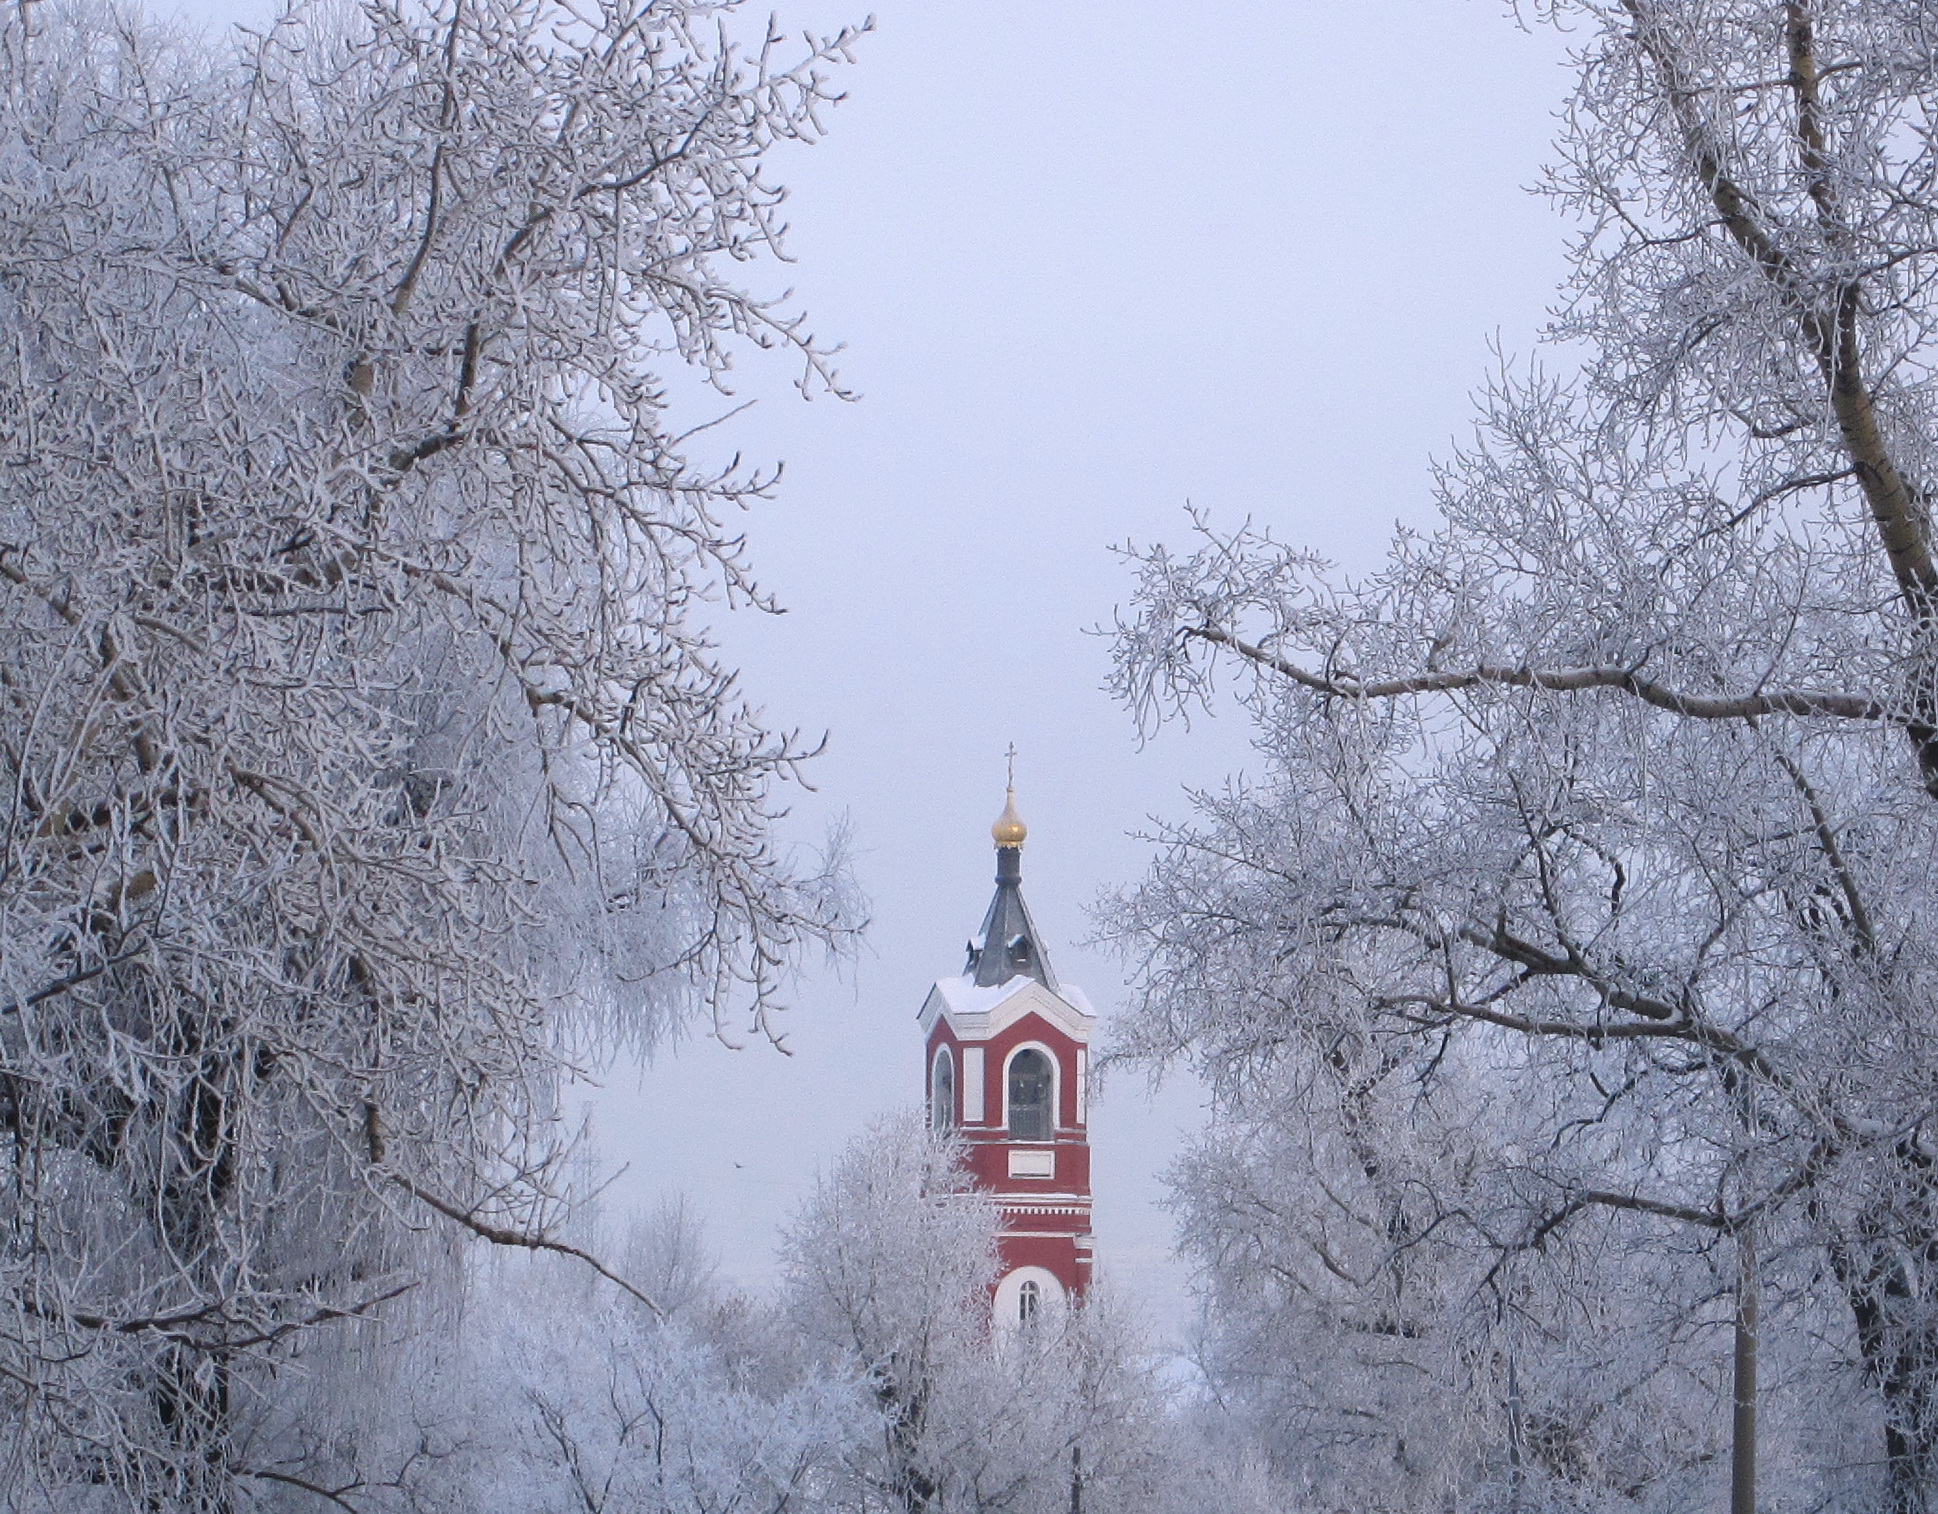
(1009, 1295)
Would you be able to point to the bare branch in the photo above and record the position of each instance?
(1566, 680)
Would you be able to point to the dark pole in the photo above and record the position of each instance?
(1742, 1451)
(1076, 1480)
(1514, 1432)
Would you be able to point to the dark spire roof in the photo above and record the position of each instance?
(1010, 946)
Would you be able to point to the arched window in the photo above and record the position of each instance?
(942, 1090)
(1028, 1296)
(1032, 1084)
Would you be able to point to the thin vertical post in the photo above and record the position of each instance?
(1076, 1480)
(1515, 1455)
(1742, 1451)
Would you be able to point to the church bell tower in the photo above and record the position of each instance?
(1008, 1057)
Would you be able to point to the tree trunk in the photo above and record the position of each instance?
(1742, 1451)
(1897, 1336)
(191, 1399)
(191, 1390)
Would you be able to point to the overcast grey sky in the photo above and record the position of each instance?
(1092, 259)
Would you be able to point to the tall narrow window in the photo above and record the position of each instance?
(1031, 1084)
(942, 1091)
(1029, 1302)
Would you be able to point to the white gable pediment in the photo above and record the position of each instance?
(979, 1014)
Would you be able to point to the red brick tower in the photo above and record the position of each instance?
(1008, 1055)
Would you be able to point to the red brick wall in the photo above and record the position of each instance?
(989, 1147)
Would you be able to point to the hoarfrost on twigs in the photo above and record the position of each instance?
(1566, 974)
(366, 762)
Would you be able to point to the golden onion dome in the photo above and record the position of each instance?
(1009, 829)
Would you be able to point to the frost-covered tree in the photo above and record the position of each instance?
(366, 762)
(1566, 976)
(889, 1270)
(551, 1392)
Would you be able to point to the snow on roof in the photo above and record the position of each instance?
(961, 995)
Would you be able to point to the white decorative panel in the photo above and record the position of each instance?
(972, 1104)
(1032, 1164)
(1083, 1082)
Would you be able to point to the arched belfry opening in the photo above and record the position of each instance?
(1008, 1048)
(1032, 1080)
(942, 1089)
